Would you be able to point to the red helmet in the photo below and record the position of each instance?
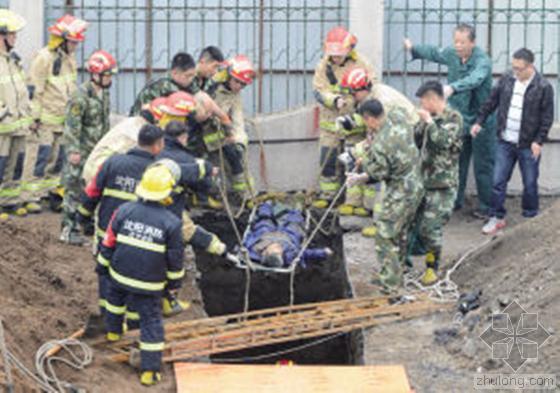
(339, 42)
(355, 79)
(156, 105)
(69, 27)
(241, 68)
(179, 104)
(101, 62)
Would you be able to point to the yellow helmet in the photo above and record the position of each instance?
(10, 22)
(156, 184)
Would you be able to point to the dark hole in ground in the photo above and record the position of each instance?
(223, 290)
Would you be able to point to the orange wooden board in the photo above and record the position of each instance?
(219, 378)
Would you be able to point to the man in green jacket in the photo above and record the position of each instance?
(469, 84)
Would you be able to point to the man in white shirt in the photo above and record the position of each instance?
(524, 100)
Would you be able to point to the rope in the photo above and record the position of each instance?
(46, 376)
(445, 290)
(309, 240)
(44, 363)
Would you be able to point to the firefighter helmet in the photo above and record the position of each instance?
(101, 62)
(355, 79)
(10, 22)
(339, 42)
(69, 27)
(156, 105)
(179, 104)
(241, 68)
(156, 184)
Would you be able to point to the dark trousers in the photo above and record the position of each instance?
(151, 322)
(482, 151)
(507, 154)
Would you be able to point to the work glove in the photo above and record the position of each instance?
(353, 179)
(345, 122)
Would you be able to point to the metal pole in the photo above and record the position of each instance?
(149, 39)
(261, 57)
(490, 20)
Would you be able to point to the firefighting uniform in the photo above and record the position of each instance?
(214, 134)
(52, 77)
(14, 122)
(326, 89)
(144, 245)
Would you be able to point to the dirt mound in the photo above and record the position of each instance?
(522, 266)
(47, 291)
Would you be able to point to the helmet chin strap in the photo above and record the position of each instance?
(99, 82)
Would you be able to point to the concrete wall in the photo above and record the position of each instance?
(288, 158)
(291, 154)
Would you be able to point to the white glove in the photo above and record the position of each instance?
(353, 179)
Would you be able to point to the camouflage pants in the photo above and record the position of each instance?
(397, 214)
(73, 185)
(433, 214)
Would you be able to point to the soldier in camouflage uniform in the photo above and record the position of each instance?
(394, 159)
(340, 56)
(439, 137)
(209, 61)
(180, 78)
(87, 120)
(360, 199)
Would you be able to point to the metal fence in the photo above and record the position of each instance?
(502, 26)
(282, 37)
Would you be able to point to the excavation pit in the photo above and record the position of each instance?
(223, 285)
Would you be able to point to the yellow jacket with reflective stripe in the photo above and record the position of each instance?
(231, 104)
(52, 92)
(120, 139)
(325, 91)
(14, 96)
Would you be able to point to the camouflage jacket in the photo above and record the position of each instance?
(202, 84)
(87, 119)
(393, 156)
(440, 145)
(161, 87)
(391, 99)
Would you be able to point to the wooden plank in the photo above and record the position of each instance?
(218, 378)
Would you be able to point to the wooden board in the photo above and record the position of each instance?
(219, 378)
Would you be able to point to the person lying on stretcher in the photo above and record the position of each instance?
(276, 235)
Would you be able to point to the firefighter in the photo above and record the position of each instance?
(360, 199)
(144, 247)
(176, 141)
(52, 80)
(231, 142)
(113, 185)
(14, 114)
(122, 137)
(194, 234)
(87, 120)
(340, 55)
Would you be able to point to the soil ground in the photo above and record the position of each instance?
(47, 291)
